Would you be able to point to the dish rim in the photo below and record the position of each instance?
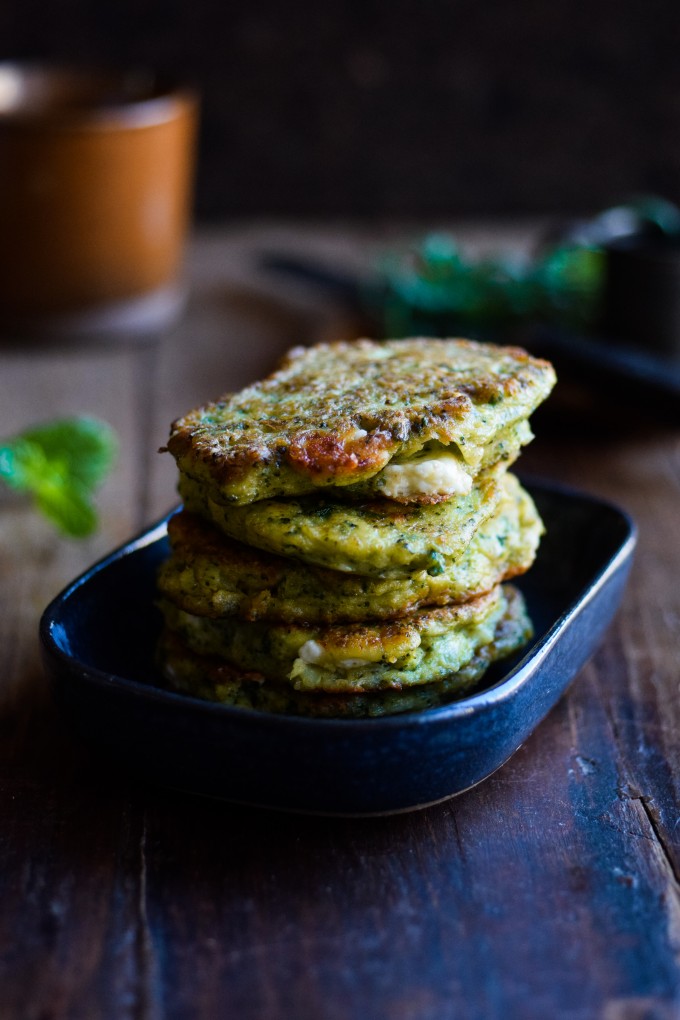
(485, 699)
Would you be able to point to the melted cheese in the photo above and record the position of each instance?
(361, 649)
(438, 473)
(314, 654)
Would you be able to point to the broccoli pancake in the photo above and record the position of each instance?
(417, 648)
(437, 472)
(213, 679)
(210, 575)
(379, 537)
(337, 414)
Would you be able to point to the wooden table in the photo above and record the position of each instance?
(550, 891)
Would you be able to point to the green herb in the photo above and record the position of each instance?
(60, 464)
(436, 564)
(436, 285)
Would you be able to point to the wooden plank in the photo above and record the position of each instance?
(51, 906)
(639, 678)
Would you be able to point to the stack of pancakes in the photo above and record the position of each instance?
(348, 524)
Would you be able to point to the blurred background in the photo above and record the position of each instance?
(436, 108)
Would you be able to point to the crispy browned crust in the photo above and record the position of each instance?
(336, 413)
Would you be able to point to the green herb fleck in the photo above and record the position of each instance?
(323, 512)
(436, 564)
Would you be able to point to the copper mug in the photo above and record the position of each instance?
(96, 173)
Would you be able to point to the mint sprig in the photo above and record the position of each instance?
(436, 285)
(60, 464)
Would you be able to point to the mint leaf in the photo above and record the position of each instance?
(67, 506)
(26, 464)
(9, 469)
(87, 447)
(59, 464)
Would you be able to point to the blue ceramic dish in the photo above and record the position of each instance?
(99, 637)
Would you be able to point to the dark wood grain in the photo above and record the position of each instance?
(550, 891)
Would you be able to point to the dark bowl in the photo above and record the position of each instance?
(641, 294)
(99, 636)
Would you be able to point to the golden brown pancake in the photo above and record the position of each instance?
(338, 415)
